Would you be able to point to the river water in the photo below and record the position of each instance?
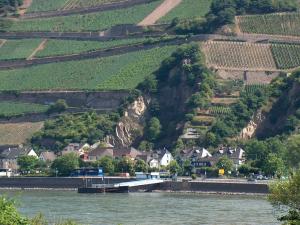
(146, 208)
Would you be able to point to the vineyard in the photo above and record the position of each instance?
(110, 73)
(17, 133)
(17, 108)
(280, 24)
(252, 88)
(18, 49)
(87, 22)
(45, 5)
(188, 9)
(68, 47)
(239, 55)
(286, 56)
(223, 101)
(219, 110)
(73, 4)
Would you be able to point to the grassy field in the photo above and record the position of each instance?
(280, 24)
(18, 108)
(286, 56)
(72, 4)
(17, 133)
(45, 5)
(110, 73)
(87, 22)
(18, 49)
(67, 47)
(238, 55)
(188, 9)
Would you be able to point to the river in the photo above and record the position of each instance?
(146, 208)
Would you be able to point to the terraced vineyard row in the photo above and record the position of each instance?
(239, 55)
(18, 108)
(286, 56)
(280, 24)
(219, 110)
(252, 88)
(87, 22)
(73, 4)
(111, 73)
(45, 5)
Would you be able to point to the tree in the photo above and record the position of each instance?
(287, 194)
(140, 166)
(225, 163)
(174, 167)
(59, 106)
(66, 164)
(9, 214)
(125, 165)
(154, 129)
(274, 165)
(27, 163)
(293, 151)
(107, 163)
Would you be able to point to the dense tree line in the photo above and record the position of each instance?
(12, 3)
(89, 128)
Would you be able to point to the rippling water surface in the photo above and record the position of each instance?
(146, 208)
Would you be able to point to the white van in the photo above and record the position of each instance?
(5, 173)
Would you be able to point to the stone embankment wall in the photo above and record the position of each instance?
(169, 186)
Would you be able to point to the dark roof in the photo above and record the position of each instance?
(101, 152)
(50, 156)
(13, 153)
(131, 152)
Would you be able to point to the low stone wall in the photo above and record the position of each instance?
(72, 183)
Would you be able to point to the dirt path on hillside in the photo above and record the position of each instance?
(39, 48)
(2, 42)
(25, 6)
(159, 12)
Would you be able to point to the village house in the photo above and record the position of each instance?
(99, 153)
(76, 148)
(160, 158)
(47, 156)
(9, 157)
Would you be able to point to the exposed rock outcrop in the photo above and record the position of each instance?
(250, 130)
(131, 124)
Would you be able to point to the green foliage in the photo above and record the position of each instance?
(9, 109)
(153, 129)
(293, 153)
(89, 127)
(27, 163)
(58, 107)
(121, 72)
(140, 166)
(225, 163)
(174, 167)
(107, 163)
(9, 214)
(126, 165)
(65, 164)
(87, 22)
(274, 165)
(146, 146)
(287, 194)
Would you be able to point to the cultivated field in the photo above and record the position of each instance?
(73, 4)
(286, 56)
(224, 101)
(239, 55)
(87, 22)
(18, 49)
(110, 73)
(18, 133)
(219, 110)
(19, 108)
(188, 9)
(67, 47)
(277, 24)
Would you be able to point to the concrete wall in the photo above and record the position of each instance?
(53, 182)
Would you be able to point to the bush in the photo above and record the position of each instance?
(194, 176)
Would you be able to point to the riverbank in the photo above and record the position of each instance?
(71, 183)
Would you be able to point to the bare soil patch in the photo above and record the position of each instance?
(24, 7)
(159, 12)
(2, 42)
(39, 48)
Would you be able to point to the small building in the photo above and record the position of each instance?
(76, 148)
(99, 153)
(47, 156)
(9, 157)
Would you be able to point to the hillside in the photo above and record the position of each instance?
(197, 72)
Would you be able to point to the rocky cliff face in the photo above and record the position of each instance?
(250, 130)
(131, 124)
